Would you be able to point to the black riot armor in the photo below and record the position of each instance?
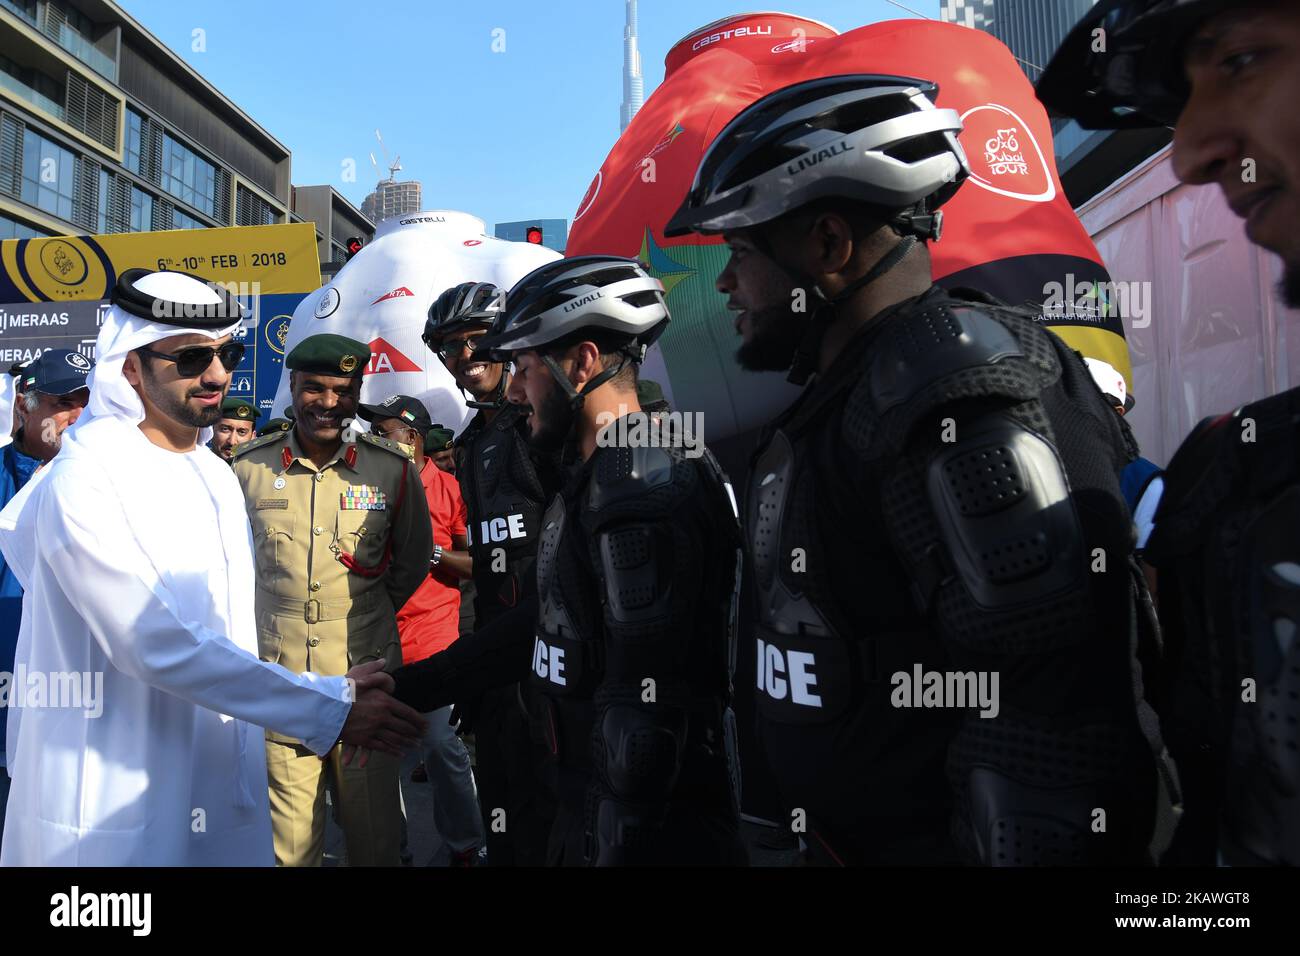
(638, 573)
(1229, 574)
(940, 509)
(505, 485)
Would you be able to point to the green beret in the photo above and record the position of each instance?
(239, 408)
(329, 354)
(438, 438)
(650, 395)
(275, 425)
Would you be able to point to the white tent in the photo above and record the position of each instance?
(383, 295)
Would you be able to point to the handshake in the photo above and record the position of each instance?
(377, 720)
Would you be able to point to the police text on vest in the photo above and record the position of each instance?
(792, 674)
(498, 529)
(548, 662)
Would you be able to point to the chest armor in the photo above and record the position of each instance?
(566, 658)
(1263, 794)
(504, 500)
(805, 666)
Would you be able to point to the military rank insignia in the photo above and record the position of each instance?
(363, 498)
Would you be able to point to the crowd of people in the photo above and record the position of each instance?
(986, 630)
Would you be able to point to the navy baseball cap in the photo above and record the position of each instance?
(55, 372)
(404, 408)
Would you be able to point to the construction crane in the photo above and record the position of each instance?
(394, 165)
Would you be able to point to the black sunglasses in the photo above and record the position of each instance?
(194, 361)
(449, 350)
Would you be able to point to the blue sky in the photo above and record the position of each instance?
(510, 135)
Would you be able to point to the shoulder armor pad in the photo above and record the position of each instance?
(942, 354)
(1201, 475)
(268, 439)
(384, 443)
(642, 480)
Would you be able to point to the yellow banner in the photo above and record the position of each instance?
(265, 259)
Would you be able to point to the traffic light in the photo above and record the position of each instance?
(354, 245)
(534, 235)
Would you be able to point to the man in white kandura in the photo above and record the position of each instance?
(135, 553)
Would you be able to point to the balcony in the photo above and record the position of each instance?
(70, 40)
(39, 100)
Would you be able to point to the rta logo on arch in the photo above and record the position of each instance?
(401, 292)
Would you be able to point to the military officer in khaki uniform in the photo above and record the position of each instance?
(343, 538)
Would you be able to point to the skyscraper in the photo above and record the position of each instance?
(969, 13)
(633, 90)
(1033, 29)
(390, 199)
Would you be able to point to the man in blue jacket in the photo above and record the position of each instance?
(51, 392)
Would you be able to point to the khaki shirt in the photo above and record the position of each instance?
(339, 549)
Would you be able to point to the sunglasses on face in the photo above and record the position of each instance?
(192, 362)
(451, 350)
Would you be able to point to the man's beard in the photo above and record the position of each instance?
(177, 409)
(775, 334)
(556, 421)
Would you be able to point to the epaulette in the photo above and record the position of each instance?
(269, 439)
(386, 444)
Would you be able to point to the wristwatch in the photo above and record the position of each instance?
(437, 554)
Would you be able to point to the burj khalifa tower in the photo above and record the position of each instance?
(633, 91)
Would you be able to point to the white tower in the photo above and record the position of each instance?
(633, 91)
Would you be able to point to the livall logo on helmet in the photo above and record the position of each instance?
(578, 303)
(807, 162)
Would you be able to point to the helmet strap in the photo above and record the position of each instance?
(498, 399)
(808, 352)
(630, 353)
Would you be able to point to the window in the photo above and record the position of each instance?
(253, 210)
(43, 92)
(134, 141)
(10, 229)
(102, 224)
(181, 220)
(141, 210)
(188, 177)
(48, 175)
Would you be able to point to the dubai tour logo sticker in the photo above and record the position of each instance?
(327, 304)
(1004, 156)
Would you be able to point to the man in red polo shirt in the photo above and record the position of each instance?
(430, 620)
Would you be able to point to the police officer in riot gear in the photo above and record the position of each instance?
(936, 519)
(1224, 75)
(505, 485)
(637, 576)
